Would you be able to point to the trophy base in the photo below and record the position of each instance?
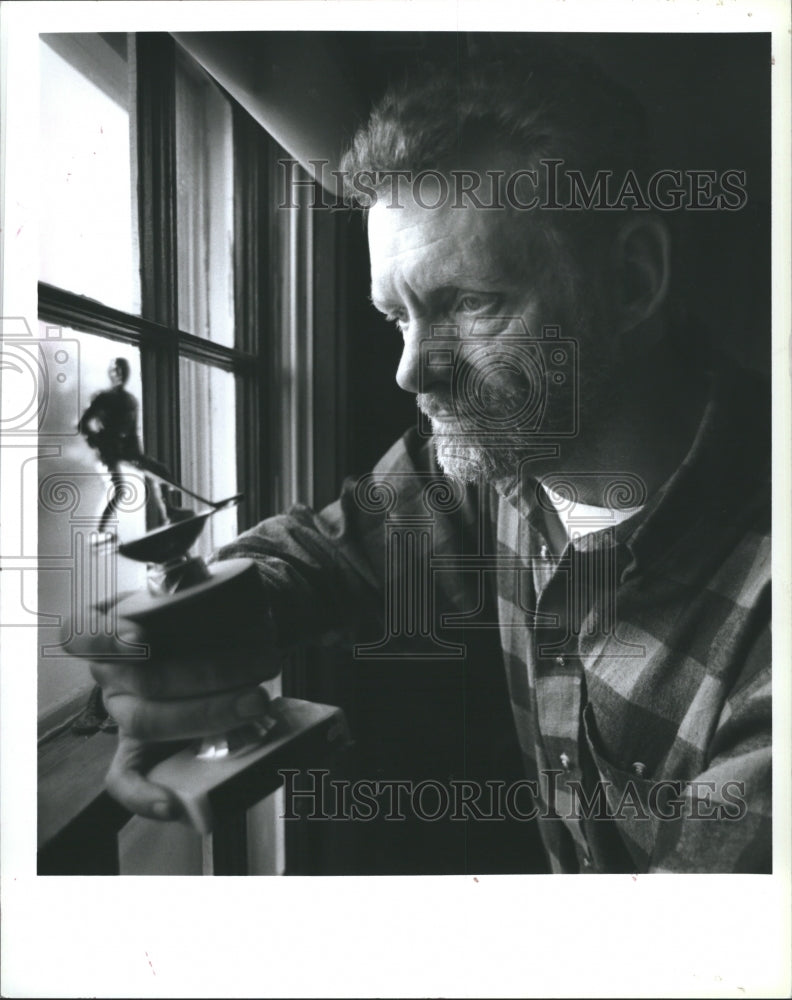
(305, 735)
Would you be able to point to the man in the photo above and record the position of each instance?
(616, 480)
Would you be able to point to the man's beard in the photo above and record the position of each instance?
(464, 448)
(465, 443)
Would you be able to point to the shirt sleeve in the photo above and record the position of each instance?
(725, 822)
(326, 573)
(318, 573)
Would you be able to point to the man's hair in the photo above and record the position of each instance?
(526, 101)
(537, 103)
(123, 367)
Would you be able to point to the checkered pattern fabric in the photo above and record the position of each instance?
(637, 658)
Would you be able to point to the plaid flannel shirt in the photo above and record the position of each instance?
(637, 659)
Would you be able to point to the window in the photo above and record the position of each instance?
(166, 241)
(155, 228)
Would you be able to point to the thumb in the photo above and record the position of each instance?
(126, 783)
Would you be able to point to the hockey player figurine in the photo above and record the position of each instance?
(109, 425)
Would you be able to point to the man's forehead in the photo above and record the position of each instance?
(451, 239)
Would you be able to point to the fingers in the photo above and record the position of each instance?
(185, 676)
(126, 783)
(155, 721)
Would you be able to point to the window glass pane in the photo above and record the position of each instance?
(208, 445)
(88, 223)
(77, 571)
(204, 205)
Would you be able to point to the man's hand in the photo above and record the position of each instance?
(209, 688)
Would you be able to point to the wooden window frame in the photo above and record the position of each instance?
(81, 821)
(156, 331)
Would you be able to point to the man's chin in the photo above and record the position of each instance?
(498, 467)
(459, 461)
(465, 461)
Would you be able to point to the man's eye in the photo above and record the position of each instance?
(473, 302)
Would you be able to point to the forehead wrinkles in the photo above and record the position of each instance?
(447, 244)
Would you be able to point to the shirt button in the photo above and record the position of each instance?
(565, 762)
(586, 861)
(640, 768)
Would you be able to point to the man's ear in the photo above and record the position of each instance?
(642, 261)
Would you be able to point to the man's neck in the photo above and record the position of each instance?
(646, 432)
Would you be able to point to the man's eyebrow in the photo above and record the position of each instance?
(489, 283)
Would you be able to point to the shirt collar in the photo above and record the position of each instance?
(727, 463)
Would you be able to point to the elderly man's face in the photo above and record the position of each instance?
(494, 392)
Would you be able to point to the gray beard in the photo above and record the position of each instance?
(469, 455)
(471, 462)
(499, 461)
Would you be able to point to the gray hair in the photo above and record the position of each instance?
(519, 101)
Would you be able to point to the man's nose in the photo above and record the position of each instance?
(421, 367)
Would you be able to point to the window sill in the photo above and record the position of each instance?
(77, 819)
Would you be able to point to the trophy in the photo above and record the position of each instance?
(189, 605)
